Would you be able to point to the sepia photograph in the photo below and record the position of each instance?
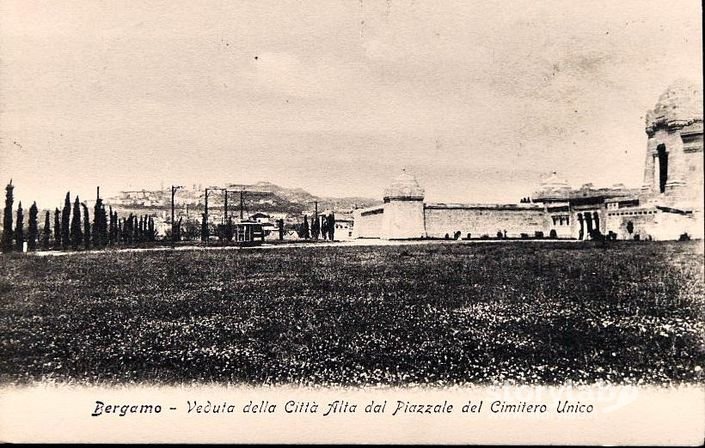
(378, 208)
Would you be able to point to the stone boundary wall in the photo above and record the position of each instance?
(485, 220)
(654, 224)
(368, 222)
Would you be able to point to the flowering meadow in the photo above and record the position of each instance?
(437, 314)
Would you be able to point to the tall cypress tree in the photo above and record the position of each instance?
(7, 233)
(324, 227)
(57, 229)
(111, 225)
(204, 228)
(117, 227)
(306, 231)
(103, 230)
(19, 228)
(86, 227)
(331, 226)
(135, 230)
(178, 228)
(140, 229)
(229, 229)
(152, 233)
(315, 227)
(128, 229)
(121, 231)
(66, 222)
(95, 235)
(46, 232)
(100, 230)
(33, 227)
(76, 232)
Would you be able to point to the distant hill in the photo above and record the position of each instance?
(258, 197)
(300, 198)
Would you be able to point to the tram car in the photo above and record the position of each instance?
(244, 233)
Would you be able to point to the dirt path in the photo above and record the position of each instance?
(266, 246)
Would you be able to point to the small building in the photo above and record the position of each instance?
(260, 218)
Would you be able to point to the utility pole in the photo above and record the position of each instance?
(225, 214)
(205, 217)
(205, 208)
(242, 195)
(174, 188)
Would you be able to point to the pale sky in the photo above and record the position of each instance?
(478, 99)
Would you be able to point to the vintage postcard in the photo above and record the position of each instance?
(352, 221)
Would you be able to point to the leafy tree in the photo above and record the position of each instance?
(33, 235)
(19, 228)
(280, 224)
(76, 237)
(331, 226)
(46, 232)
(86, 227)
(66, 222)
(57, 229)
(7, 233)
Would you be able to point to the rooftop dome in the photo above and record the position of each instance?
(553, 182)
(680, 105)
(553, 186)
(404, 186)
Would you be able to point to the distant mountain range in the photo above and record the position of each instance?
(258, 197)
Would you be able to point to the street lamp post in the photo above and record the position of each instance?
(242, 204)
(174, 188)
(205, 217)
(225, 206)
(315, 215)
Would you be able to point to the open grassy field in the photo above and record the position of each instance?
(445, 313)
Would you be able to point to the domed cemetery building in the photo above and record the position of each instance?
(668, 206)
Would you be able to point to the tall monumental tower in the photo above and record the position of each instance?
(673, 173)
(403, 216)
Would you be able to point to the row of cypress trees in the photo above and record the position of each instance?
(72, 229)
(325, 228)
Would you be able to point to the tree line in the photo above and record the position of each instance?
(72, 226)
